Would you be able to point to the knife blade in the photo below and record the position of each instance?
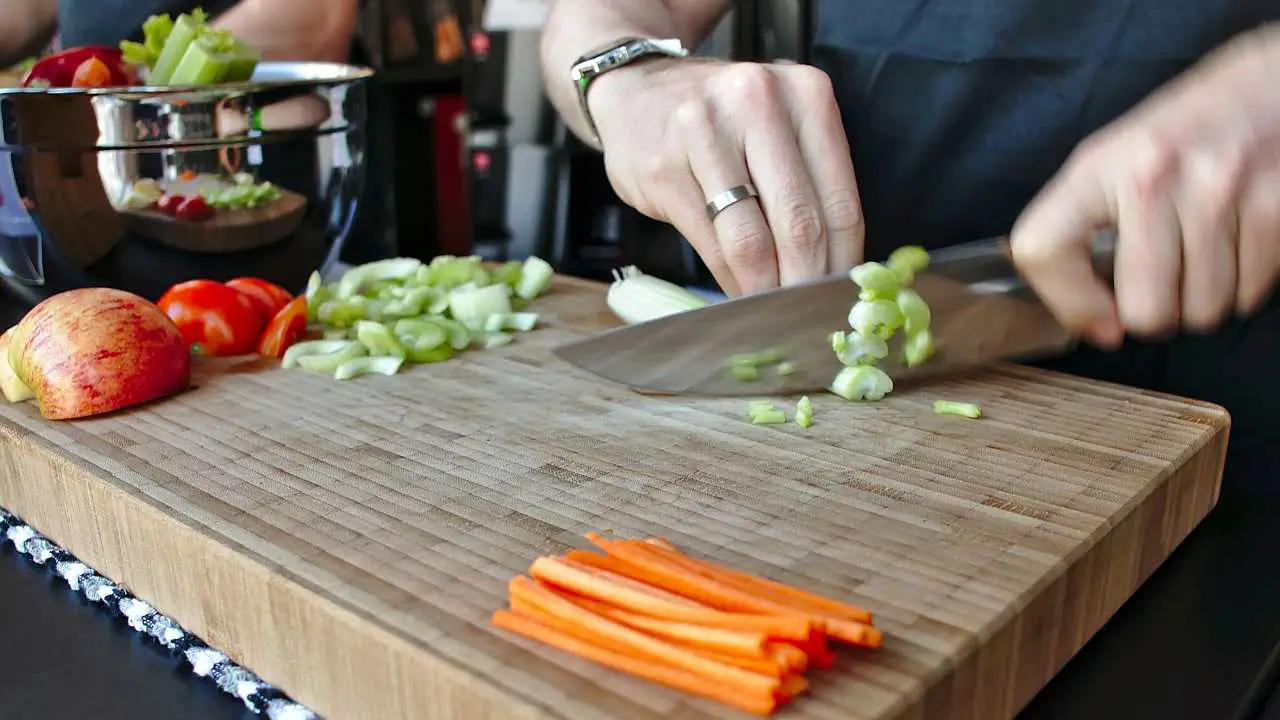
(982, 312)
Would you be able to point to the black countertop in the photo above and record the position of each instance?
(1197, 641)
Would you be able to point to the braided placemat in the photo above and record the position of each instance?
(204, 661)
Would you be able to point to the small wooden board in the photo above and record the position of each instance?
(227, 231)
(348, 541)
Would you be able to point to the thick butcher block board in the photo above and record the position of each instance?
(348, 541)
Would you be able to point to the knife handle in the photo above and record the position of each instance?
(987, 265)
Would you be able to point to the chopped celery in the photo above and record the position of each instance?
(337, 334)
(962, 409)
(203, 62)
(508, 274)
(343, 313)
(423, 355)
(316, 293)
(876, 317)
(422, 333)
(839, 341)
(459, 335)
(764, 357)
(491, 340)
(412, 303)
(804, 412)
(184, 31)
(804, 421)
(874, 277)
(908, 261)
(915, 312)
(877, 295)
(862, 382)
(769, 417)
(368, 366)
(860, 349)
(313, 347)
(494, 323)
(744, 372)
(355, 279)
(472, 307)
(786, 368)
(758, 404)
(449, 272)
(328, 362)
(378, 339)
(918, 348)
(535, 278)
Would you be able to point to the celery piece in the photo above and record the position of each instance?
(508, 274)
(520, 321)
(184, 32)
(368, 366)
(918, 348)
(202, 63)
(862, 382)
(769, 417)
(535, 278)
(757, 404)
(378, 339)
(328, 362)
(804, 421)
(804, 412)
(472, 307)
(343, 313)
(459, 335)
(413, 303)
(423, 355)
(491, 340)
(155, 32)
(860, 349)
(242, 63)
(743, 372)
(874, 277)
(337, 334)
(839, 341)
(869, 295)
(136, 53)
(908, 261)
(962, 409)
(357, 278)
(312, 347)
(876, 317)
(915, 312)
(495, 323)
(439, 305)
(423, 333)
(786, 368)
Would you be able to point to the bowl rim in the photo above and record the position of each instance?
(281, 74)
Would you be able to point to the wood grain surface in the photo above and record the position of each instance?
(348, 541)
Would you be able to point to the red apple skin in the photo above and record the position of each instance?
(97, 350)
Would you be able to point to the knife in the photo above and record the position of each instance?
(982, 312)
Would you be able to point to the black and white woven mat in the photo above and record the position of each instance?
(203, 660)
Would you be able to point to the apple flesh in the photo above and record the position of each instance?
(98, 350)
(14, 390)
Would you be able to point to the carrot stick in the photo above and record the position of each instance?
(549, 601)
(791, 657)
(630, 595)
(731, 642)
(764, 666)
(792, 687)
(750, 701)
(770, 588)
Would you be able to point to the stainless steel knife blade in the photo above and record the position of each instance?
(981, 312)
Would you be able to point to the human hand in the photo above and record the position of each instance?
(1190, 181)
(677, 133)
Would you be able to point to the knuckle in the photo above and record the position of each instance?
(1153, 164)
(1147, 321)
(751, 82)
(657, 168)
(1216, 177)
(803, 228)
(812, 82)
(843, 217)
(695, 118)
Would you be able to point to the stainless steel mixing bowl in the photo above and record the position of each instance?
(77, 167)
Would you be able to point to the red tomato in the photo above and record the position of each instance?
(193, 209)
(266, 296)
(91, 73)
(59, 70)
(169, 203)
(286, 328)
(220, 320)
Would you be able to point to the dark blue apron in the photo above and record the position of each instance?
(959, 111)
(107, 22)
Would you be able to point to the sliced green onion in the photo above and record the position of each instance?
(962, 409)
(786, 368)
(535, 278)
(368, 366)
(875, 317)
(915, 313)
(918, 348)
(328, 362)
(863, 382)
(312, 347)
(378, 339)
(364, 275)
(874, 277)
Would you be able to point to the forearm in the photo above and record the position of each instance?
(574, 27)
(26, 26)
(294, 29)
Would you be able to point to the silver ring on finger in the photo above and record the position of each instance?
(730, 197)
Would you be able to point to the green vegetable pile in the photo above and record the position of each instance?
(187, 51)
(244, 194)
(384, 314)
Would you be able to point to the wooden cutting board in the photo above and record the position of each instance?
(348, 541)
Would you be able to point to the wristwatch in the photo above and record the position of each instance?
(613, 56)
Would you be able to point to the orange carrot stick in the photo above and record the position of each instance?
(750, 701)
(764, 666)
(731, 642)
(791, 657)
(792, 687)
(549, 601)
(637, 597)
(771, 588)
